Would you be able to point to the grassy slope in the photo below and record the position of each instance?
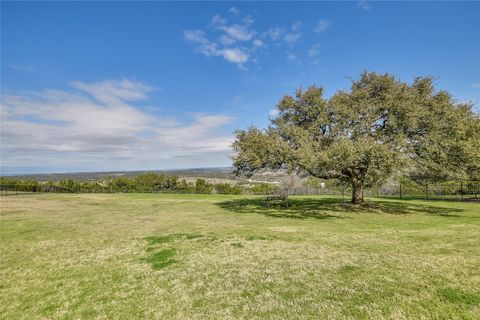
(226, 257)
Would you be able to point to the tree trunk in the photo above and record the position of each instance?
(357, 191)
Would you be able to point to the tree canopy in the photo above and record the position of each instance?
(364, 135)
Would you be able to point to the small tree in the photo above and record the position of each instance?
(227, 188)
(264, 189)
(202, 186)
(69, 185)
(360, 136)
(122, 184)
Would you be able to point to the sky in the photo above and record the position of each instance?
(106, 86)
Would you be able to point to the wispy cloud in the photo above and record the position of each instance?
(322, 25)
(114, 92)
(313, 53)
(20, 67)
(291, 56)
(291, 38)
(258, 43)
(364, 4)
(235, 41)
(273, 113)
(233, 37)
(476, 85)
(100, 126)
(314, 50)
(218, 20)
(234, 11)
(297, 26)
(240, 31)
(275, 33)
(208, 48)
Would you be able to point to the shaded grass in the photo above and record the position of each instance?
(330, 208)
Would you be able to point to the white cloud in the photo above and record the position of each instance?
(247, 20)
(238, 32)
(204, 45)
(276, 33)
(236, 40)
(195, 36)
(208, 48)
(235, 44)
(291, 38)
(364, 4)
(313, 51)
(234, 11)
(258, 43)
(218, 20)
(273, 113)
(322, 25)
(291, 56)
(476, 85)
(235, 55)
(20, 67)
(112, 92)
(297, 26)
(225, 40)
(97, 126)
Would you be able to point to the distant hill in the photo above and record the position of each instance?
(214, 173)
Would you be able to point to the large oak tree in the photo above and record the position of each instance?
(363, 135)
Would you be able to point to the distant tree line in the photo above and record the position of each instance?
(147, 182)
(403, 185)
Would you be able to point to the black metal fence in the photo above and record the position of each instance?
(457, 190)
(452, 190)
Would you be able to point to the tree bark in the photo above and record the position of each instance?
(357, 191)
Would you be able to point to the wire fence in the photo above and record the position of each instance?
(452, 190)
(463, 190)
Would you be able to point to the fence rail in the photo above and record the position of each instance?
(469, 190)
(466, 190)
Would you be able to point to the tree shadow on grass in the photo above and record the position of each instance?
(327, 208)
(398, 208)
(297, 208)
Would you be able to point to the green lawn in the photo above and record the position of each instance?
(132, 256)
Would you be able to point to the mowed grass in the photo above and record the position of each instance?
(155, 256)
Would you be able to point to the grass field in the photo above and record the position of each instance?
(132, 256)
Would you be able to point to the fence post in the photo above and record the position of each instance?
(426, 190)
(401, 191)
(461, 190)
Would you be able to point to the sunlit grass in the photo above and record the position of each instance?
(229, 257)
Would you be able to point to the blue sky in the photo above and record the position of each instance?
(153, 85)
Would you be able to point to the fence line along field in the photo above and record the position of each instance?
(177, 256)
(282, 184)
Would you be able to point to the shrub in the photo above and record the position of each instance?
(202, 186)
(264, 188)
(226, 188)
